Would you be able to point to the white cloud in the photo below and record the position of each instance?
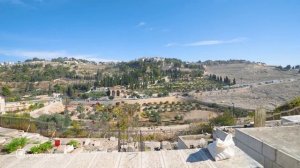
(171, 44)
(51, 54)
(141, 24)
(148, 27)
(208, 42)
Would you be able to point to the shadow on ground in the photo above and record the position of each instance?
(199, 156)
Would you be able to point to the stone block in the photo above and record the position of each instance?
(250, 141)
(268, 163)
(276, 165)
(269, 152)
(285, 160)
(249, 151)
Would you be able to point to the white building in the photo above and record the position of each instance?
(2, 105)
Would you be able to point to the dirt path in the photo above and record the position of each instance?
(52, 108)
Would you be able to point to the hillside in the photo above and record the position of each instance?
(257, 83)
(261, 85)
(250, 72)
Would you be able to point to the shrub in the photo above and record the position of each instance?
(144, 115)
(178, 117)
(42, 148)
(15, 144)
(223, 120)
(290, 105)
(74, 143)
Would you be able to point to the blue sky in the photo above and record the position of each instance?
(192, 30)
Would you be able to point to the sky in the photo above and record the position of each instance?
(122, 30)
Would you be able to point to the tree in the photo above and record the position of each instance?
(80, 108)
(288, 67)
(122, 118)
(6, 91)
(108, 92)
(233, 82)
(58, 119)
(31, 87)
(70, 91)
(81, 116)
(50, 90)
(84, 96)
(154, 117)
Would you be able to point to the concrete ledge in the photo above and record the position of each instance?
(250, 141)
(267, 149)
(268, 163)
(269, 152)
(218, 133)
(252, 153)
(285, 160)
(276, 165)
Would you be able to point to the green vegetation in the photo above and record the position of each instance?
(61, 121)
(6, 91)
(15, 144)
(42, 148)
(35, 106)
(223, 120)
(225, 81)
(74, 143)
(290, 105)
(76, 130)
(35, 72)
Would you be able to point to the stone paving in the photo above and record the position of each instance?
(187, 158)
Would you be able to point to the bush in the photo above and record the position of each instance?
(15, 144)
(58, 119)
(42, 148)
(36, 106)
(178, 117)
(144, 115)
(290, 105)
(223, 120)
(74, 143)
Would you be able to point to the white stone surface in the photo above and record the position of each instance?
(188, 158)
(295, 119)
(280, 145)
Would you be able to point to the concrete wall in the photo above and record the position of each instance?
(263, 153)
(181, 144)
(219, 133)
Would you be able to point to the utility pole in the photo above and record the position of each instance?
(232, 109)
(119, 140)
(141, 147)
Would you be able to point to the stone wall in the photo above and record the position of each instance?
(264, 153)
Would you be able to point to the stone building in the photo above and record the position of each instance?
(119, 91)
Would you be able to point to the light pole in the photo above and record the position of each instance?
(232, 109)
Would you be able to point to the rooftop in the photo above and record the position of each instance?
(153, 159)
(291, 119)
(285, 138)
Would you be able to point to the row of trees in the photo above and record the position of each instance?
(288, 68)
(220, 79)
